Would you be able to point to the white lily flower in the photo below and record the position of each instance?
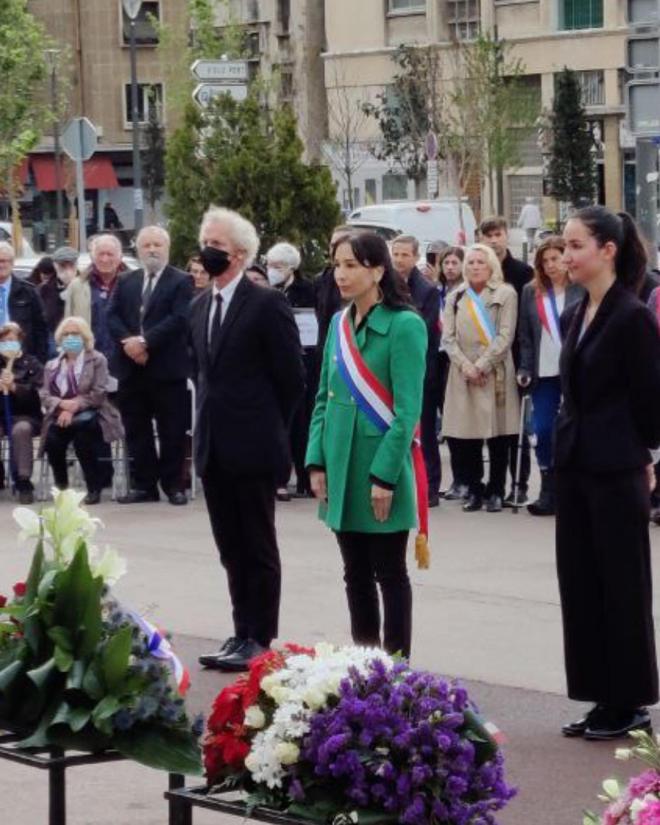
(110, 567)
(28, 521)
(611, 788)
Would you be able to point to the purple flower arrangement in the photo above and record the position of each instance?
(348, 736)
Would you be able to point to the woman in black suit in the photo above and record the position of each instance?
(608, 423)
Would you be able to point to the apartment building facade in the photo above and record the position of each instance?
(285, 40)
(585, 35)
(94, 35)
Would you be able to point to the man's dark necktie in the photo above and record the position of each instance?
(146, 295)
(216, 323)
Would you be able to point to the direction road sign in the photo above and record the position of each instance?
(79, 138)
(225, 71)
(643, 105)
(205, 93)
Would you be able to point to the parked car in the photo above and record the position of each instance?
(6, 235)
(428, 221)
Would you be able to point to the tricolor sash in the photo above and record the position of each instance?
(160, 648)
(480, 317)
(377, 403)
(546, 306)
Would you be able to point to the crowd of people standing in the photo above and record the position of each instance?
(405, 353)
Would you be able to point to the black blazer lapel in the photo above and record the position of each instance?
(600, 318)
(238, 299)
(201, 326)
(158, 291)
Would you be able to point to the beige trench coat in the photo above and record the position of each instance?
(494, 409)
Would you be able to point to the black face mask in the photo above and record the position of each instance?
(215, 261)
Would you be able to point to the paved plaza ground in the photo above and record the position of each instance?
(487, 611)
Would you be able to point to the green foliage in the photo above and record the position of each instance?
(75, 671)
(405, 110)
(23, 110)
(242, 156)
(572, 169)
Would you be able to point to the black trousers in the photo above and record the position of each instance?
(604, 570)
(87, 439)
(372, 561)
(242, 514)
(141, 401)
(431, 403)
(458, 472)
(469, 455)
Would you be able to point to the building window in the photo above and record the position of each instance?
(464, 18)
(146, 34)
(581, 14)
(149, 94)
(286, 85)
(284, 15)
(370, 191)
(395, 187)
(592, 86)
(403, 6)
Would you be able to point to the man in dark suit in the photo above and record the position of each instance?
(20, 302)
(494, 232)
(249, 380)
(147, 318)
(405, 252)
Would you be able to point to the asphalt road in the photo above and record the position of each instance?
(487, 611)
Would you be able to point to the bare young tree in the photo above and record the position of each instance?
(345, 150)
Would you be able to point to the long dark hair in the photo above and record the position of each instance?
(370, 250)
(619, 228)
(44, 266)
(457, 252)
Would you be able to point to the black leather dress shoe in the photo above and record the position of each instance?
(613, 724)
(473, 504)
(494, 504)
(228, 647)
(241, 657)
(434, 499)
(516, 501)
(139, 497)
(178, 498)
(578, 727)
(92, 497)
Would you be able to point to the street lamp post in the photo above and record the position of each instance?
(132, 9)
(52, 57)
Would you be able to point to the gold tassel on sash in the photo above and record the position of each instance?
(422, 552)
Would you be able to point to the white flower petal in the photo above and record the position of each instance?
(28, 521)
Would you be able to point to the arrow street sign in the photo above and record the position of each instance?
(79, 138)
(205, 93)
(224, 71)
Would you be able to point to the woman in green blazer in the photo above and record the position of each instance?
(364, 477)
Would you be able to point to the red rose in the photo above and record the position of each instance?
(20, 589)
(234, 752)
(3, 601)
(227, 708)
(291, 647)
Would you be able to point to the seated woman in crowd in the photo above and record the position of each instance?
(542, 303)
(74, 397)
(20, 379)
(481, 400)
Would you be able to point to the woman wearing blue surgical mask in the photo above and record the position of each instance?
(74, 397)
(20, 379)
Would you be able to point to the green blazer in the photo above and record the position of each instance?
(348, 446)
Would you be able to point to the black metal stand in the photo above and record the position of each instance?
(56, 761)
(183, 800)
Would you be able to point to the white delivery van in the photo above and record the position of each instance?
(428, 221)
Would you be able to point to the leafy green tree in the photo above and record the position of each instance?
(247, 158)
(23, 111)
(571, 171)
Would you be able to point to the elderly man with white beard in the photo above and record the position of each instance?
(148, 320)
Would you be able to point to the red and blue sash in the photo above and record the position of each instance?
(160, 648)
(377, 403)
(546, 306)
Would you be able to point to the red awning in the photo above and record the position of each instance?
(99, 173)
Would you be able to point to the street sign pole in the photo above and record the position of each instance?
(138, 200)
(82, 210)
